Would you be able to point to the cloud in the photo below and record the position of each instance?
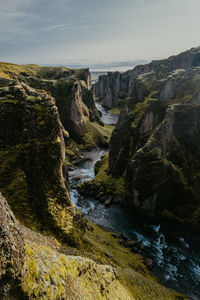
(72, 26)
(99, 30)
(58, 27)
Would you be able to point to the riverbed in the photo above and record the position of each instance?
(174, 250)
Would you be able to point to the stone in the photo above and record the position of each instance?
(108, 201)
(155, 143)
(12, 251)
(124, 236)
(131, 243)
(149, 263)
(32, 155)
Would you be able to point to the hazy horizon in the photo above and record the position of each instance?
(64, 31)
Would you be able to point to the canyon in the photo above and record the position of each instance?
(70, 169)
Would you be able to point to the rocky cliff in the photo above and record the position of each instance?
(32, 158)
(70, 88)
(12, 250)
(48, 249)
(154, 150)
(112, 88)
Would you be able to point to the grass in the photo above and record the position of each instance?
(97, 134)
(113, 186)
(8, 69)
(50, 274)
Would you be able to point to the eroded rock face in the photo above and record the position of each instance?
(32, 156)
(159, 169)
(157, 148)
(78, 114)
(109, 87)
(12, 251)
(119, 147)
(70, 88)
(74, 100)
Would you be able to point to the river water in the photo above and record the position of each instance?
(174, 250)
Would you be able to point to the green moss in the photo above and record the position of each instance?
(33, 270)
(108, 250)
(141, 288)
(13, 186)
(139, 110)
(9, 70)
(49, 274)
(108, 185)
(190, 86)
(70, 153)
(115, 111)
(33, 98)
(97, 134)
(13, 101)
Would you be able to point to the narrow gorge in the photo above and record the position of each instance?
(100, 183)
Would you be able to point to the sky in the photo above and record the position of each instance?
(58, 32)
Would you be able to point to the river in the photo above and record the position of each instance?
(174, 250)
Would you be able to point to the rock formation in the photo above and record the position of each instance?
(114, 87)
(32, 157)
(54, 253)
(70, 88)
(155, 145)
(12, 250)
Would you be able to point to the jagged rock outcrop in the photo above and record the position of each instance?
(84, 75)
(155, 145)
(32, 156)
(115, 86)
(163, 173)
(110, 87)
(69, 258)
(12, 251)
(119, 154)
(74, 100)
(162, 165)
(88, 100)
(70, 88)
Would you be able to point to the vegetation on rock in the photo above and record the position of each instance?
(155, 144)
(55, 253)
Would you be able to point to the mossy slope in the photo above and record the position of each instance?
(49, 274)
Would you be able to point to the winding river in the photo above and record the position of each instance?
(175, 251)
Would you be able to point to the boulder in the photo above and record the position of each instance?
(149, 263)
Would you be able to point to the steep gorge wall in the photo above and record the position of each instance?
(153, 164)
(115, 86)
(32, 158)
(70, 259)
(70, 88)
(160, 155)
